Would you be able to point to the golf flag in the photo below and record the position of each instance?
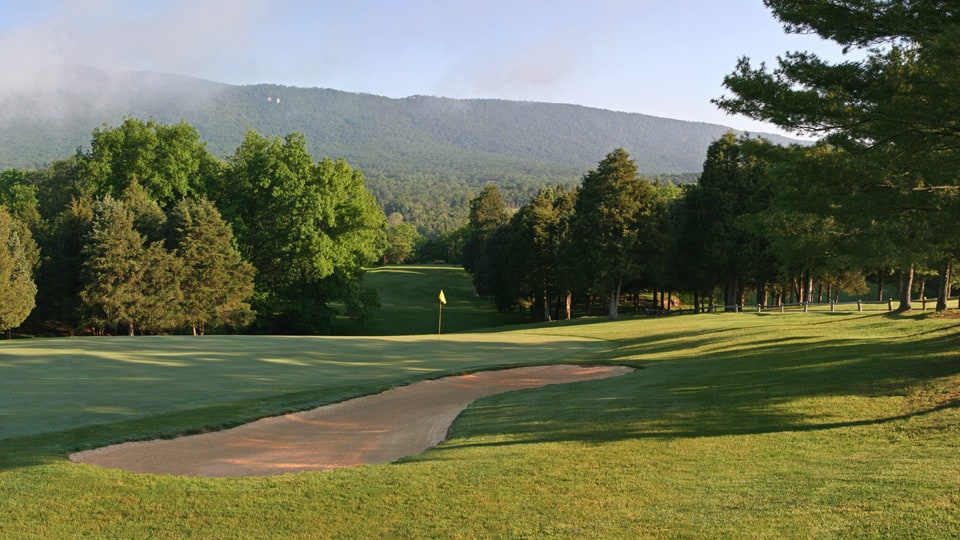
(443, 299)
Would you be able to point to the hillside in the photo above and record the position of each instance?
(474, 140)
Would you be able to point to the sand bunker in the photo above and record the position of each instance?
(373, 429)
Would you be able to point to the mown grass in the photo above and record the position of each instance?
(737, 425)
(409, 299)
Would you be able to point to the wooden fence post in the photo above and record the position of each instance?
(859, 306)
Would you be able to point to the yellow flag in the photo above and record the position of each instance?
(443, 299)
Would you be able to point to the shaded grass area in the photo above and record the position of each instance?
(56, 384)
(801, 425)
(409, 298)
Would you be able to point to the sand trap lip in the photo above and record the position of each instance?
(378, 428)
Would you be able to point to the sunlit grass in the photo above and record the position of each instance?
(410, 304)
(737, 425)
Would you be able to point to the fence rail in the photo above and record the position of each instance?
(858, 306)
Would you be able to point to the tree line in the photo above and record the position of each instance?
(876, 198)
(147, 232)
(750, 230)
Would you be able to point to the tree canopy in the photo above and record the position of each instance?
(889, 117)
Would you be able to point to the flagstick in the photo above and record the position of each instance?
(440, 319)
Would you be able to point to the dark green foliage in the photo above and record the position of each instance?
(445, 247)
(216, 283)
(474, 140)
(424, 157)
(537, 232)
(17, 288)
(115, 260)
(160, 257)
(59, 280)
(891, 116)
(481, 253)
(307, 227)
(733, 190)
(610, 225)
(402, 239)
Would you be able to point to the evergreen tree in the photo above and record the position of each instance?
(610, 224)
(487, 213)
(17, 288)
(538, 230)
(735, 188)
(891, 114)
(217, 283)
(59, 281)
(159, 309)
(113, 268)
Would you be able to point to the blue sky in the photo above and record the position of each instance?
(664, 58)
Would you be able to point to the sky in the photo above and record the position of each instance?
(659, 57)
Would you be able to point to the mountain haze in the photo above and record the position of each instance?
(473, 140)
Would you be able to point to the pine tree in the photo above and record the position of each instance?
(609, 225)
(17, 288)
(217, 283)
(113, 267)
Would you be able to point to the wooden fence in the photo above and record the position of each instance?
(859, 306)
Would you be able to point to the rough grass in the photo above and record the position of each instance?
(738, 425)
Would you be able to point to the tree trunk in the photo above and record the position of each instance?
(943, 291)
(880, 285)
(569, 304)
(808, 295)
(614, 301)
(130, 328)
(906, 289)
(762, 294)
(730, 297)
(539, 307)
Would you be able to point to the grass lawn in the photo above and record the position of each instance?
(409, 298)
(737, 425)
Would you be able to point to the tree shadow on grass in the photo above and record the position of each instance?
(768, 386)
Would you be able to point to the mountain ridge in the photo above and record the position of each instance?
(476, 140)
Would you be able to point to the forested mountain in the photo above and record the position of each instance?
(475, 140)
(423, 157)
